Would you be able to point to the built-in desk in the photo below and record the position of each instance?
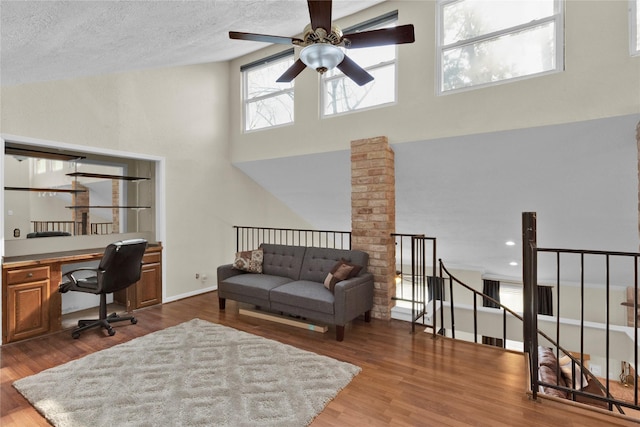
(32, 305)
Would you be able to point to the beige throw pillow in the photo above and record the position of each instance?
(249, 261)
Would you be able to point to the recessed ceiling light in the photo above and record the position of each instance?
(513, 263)
(510, 243)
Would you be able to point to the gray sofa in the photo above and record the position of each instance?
(292, 282)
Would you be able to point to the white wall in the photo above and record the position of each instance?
(180, 114)
(16, 217)
(600, 80)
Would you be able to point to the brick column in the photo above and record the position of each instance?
(80, 199)
(373, 215)
(115, 201)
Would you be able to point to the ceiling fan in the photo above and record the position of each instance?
(322, 44)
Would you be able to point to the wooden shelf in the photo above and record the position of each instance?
(28, 152)
(51, 190)
(107, 207)
(105, 176)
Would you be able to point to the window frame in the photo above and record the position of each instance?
(557, 18)
(246, 102)
(370, 24)
(634, 19)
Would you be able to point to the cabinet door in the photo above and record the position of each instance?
(149, 288)
(27, 309)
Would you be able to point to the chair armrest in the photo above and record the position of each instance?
(226, 271)
(353, 297)
(70, 274)
(73, 281)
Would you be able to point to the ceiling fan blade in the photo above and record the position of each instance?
(384, 36)
(262, 38)
(320, 14)
(354, 72)
(292, 72)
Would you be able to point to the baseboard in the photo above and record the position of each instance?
(285, 320)
(190, 294)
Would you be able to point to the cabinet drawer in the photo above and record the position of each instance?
(27, 275)
(151, 258)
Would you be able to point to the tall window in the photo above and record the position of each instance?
(482, 42)
(341, 94)
(634, 24)
(266, 102)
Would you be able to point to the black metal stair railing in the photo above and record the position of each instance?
(415, 266)
(530, 281)
(477, 295)
(448, 276)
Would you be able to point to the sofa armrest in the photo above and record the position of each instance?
(353, 297)
(226, 271)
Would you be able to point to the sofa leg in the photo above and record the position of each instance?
(367, 316)
(339, 332)
(222, 303)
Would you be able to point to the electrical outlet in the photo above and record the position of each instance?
(596, 369)
(197, 275)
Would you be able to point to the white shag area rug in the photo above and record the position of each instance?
(194, 374)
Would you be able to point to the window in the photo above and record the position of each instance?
(512, 296)
(40, 166)
(57, 165)
(482, 42)
(634, 26)
(266, 102)
(341, 94)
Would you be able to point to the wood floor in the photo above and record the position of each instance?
(406, 380)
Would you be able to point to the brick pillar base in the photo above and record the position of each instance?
(373, 215)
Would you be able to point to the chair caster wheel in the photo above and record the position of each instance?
(75, 335)
(111, 332)
(134, 321)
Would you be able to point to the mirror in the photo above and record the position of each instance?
(65, 194)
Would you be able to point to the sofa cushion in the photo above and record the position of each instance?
(250, 261)
(282, 260)
(318, 262)
(593, 389)
(549, 376)
(253, 285)
(546, 357)
(570, 371)
(304, 294)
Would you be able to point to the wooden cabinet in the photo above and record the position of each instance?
(31, 304)
(148, 290)
(27, 302)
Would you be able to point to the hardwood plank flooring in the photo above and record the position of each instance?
(406, 379)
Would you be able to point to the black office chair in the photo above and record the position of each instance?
(120, 267)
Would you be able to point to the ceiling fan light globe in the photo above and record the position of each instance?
(321, 56)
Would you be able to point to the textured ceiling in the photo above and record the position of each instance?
(54, 40)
